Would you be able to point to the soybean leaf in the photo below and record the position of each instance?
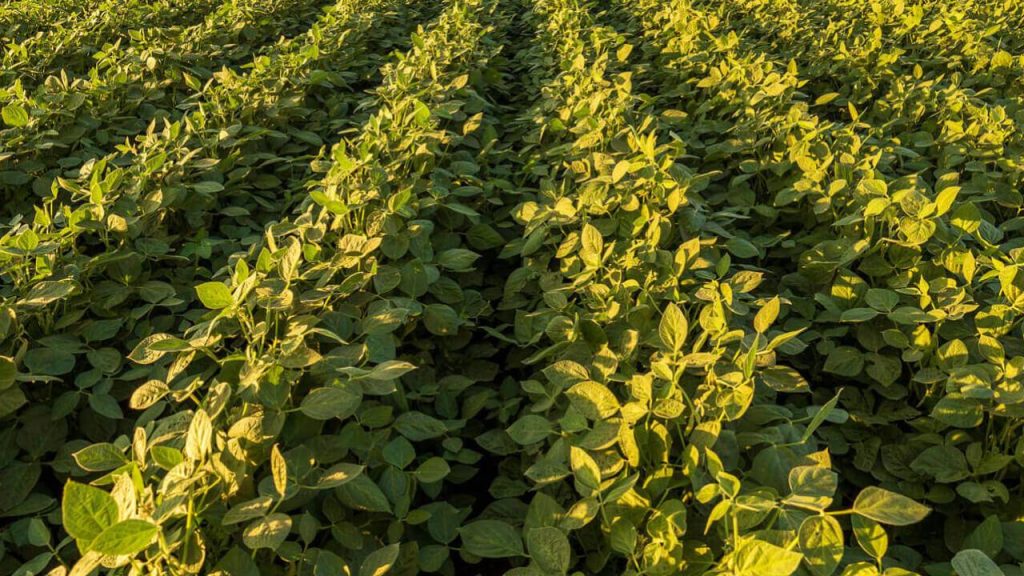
(267, 532)
(491, 539)
(973, 562)
(888, 507)
(126, 538)
(821, 541)
(215, 295)
(86, 512)
(380, 561)
(765, 559)
(549, 547)
(338, 401)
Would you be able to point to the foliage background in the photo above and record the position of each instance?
(518, 287)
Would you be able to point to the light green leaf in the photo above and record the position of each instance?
(888, 507)
(767, 315)
(215, 295)
(15, 115)
(820, 416)
(812, 487)
(620, 171)
(944, 200)
(147, 394)
(595, 401)
(565, 373)
(390, 370)
(966, 217)
(100, 457)
(784, 379)
(153, 347)
(821, 541)
(871, 536)
(48, 292)
(673, 328)
(760, 558)
(126, 538)
(585, 470)
(199, 438)
(592, 246)
(278, 471)
(86, 512)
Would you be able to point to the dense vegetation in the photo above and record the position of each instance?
(525, 287)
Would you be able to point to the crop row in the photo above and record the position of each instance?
(67, 122)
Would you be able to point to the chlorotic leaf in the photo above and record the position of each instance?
(595, 401)
(871, 536)
(215, 295)
(100, 457)
(126, 538)
(888, 507)
(765, 559)
(86, 512)
(15, 115)
(821, 541)
(673, 328)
